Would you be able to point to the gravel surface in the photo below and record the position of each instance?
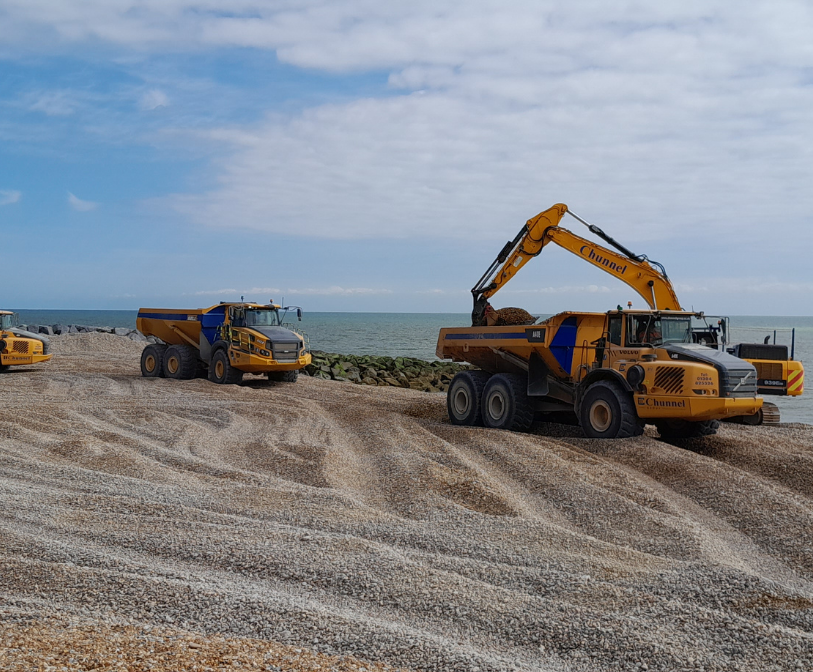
(354, 521)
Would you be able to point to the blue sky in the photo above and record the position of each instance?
(358, 155)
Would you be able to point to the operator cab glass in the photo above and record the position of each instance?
(9, 320)
(262, 317)
(658, 330)
(614, 329)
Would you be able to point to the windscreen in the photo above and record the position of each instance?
(268, 317)
(8, 321)
(657, 330)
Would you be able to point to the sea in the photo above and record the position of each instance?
(415, 335)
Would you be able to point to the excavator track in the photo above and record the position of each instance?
(767, 415)
(770, 414)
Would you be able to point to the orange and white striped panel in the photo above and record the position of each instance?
(796, 381)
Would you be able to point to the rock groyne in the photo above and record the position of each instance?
(61, 329)
(373, 370)
(408, 372)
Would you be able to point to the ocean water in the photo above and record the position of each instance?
(415, 335)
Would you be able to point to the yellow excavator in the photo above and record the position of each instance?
(19, 347)
(776, 372)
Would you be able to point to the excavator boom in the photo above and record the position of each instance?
(647, 278)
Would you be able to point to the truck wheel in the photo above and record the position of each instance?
(180, 362)
(607, 412)
(152, 361)
(284, 376)
(505, 403)
(4, 367)
(222, 372)
(463, 397)
(683, 429)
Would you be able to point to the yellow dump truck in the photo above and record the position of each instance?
(225, 340)
(19, 347)
(616, 371)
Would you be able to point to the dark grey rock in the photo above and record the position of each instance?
(121, 331)
(60, 329)
(46, 329)
(137, 336)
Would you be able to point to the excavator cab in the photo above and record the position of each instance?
(8, 320)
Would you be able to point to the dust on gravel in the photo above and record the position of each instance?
(355, 521)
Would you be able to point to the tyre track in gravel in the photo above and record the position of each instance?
(349, 519)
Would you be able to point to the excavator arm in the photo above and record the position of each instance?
(646, 277)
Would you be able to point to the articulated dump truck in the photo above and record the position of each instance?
(223, 341)
(616, 371)
(19, 347)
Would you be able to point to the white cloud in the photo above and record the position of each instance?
(9, 196)
(751, 285)
(53, 103)
(305, 291)
(240, 292)
(79, 205)
(216, 292)
(654, 120)
(338, 291)
(153, 99)
(565, 289)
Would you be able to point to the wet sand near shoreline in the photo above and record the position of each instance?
(356, 525)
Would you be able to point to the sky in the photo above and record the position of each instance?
(358, 155)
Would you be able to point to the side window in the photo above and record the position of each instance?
(614, 329)
(632, 331)
(238, 318)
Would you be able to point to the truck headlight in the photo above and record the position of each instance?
(635, 376)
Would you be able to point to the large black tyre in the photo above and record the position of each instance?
(180, 362)
(152, 360)
(505, 403)
(221, 371)
(4, 367)
(284, 376)
(607, 412)
(463, 397)
(683, 429)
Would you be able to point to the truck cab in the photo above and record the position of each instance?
(676, 358)
(257, 337)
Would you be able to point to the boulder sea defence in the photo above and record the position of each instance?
(61, 329)
(373, 370)
(416, 374)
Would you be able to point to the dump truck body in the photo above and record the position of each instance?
(554, 365)
(19, 347)
(249, 336)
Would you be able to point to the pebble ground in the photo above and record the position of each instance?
(277, 526)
